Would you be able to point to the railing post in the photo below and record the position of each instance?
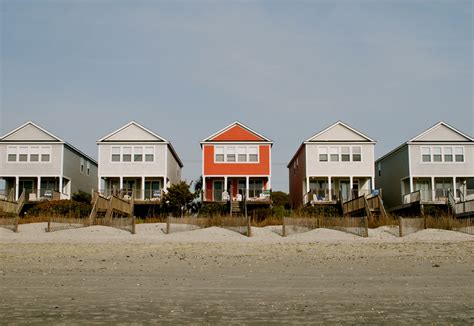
(400, 226)
(366, 226)
(133, 225)
(168, 224)
(249, 227)
(283, 228)
(49, 224)
(16, 224)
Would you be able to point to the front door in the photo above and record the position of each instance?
(152, 189)
(26, 185)
(425, 190)
(128, 187)
(218, 189)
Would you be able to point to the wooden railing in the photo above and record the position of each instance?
(464, 207)
(21, 202)
(412, 197)
(354, 205)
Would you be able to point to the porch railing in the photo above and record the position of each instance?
(258, 195)
(439, 195)
(137, 194)
(319, 195)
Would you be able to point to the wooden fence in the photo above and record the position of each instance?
(354, 225)
(239, 224)
(9, 222)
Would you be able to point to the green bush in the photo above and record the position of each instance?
(67, 208)
(82, 197)
(213, 209)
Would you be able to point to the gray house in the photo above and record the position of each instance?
(43, 165)
(334, 165)
(425, 168)
(134, 161)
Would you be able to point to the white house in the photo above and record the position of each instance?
(333, 165)
(431, 164)
(134, 161)
(35, 160)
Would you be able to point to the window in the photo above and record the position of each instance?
(82, 165)
(425, 154)
(34, 153)
(138, 154)
(115, 154)
(255, 188)
(45, 154)
(437, 157)
(241, 154)
(23, 154)
(230, 152)
(219, 155)
(334, 154)
(11, 153)
(458, 154)
(127, 154)
(149, 156)
(356, 154)
(88, 168)
(379, 168)
(448, 154)
(323, 154)
(253, 154)
(345, 154)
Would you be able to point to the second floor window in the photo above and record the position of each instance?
(82, 165)
(240, 154)
(31, 154)
(126, 154)
(115, 154)
(438, 154)
(149, 154)
(426, 154)
(138, 154)
(459, 154)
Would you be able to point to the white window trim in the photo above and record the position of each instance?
(143, 147)
(236, 155)
(431, 147)
(28, 154)
(339, 153)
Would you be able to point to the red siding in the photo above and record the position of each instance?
(237, 133)
(230, 169)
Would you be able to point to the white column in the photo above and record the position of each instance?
(247, 186)
(372, 184)
(165, 183)
(433, 190)
(203, 188)
(225, 183)
(143, 189)
(454, 188)
(121, 183)
(411, 184)
(61, 184)
(98, 183)
(329, 188)
(17, 188)
(307, 184)
(269, 184)
(351, 186)
(38, 187)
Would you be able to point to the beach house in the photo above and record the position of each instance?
(236, 164)
(43, 166)
(426, 168)
(334, 165)
(136, 162)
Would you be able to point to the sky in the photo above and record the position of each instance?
(186, 69)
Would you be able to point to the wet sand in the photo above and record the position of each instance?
(238, 282)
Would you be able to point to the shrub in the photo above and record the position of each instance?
(68, 208)
(82, 197)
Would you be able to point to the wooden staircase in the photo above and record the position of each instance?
(235, 208)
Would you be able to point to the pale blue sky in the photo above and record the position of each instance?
(186, 69)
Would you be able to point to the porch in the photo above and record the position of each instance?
(330, 190)
(221, 189)
(149, 189)
(436, 190)
(36, 188)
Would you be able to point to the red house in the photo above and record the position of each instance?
(236, 163)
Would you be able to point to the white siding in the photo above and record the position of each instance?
(363, 168)
(419, 168)
(52, 168)
(109, 168)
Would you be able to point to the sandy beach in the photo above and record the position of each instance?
(101, 275)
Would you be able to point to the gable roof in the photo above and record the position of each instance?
(319, 136)
(37, 131)
(419, 138)
(154, 137)
(138, 127)
(33, 127)
(424, 136)
(233, 132)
